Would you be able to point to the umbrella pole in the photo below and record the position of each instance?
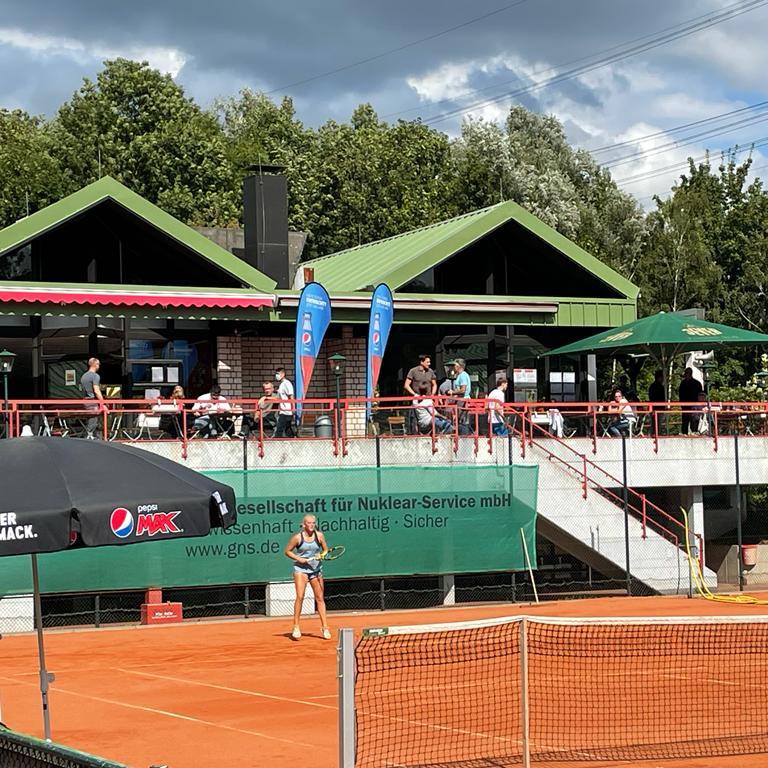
(45, 678)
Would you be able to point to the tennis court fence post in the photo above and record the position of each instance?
(346, 675)
(525, 715)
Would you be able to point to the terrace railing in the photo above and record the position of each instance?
(339, 422)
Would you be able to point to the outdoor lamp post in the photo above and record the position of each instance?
(337, 364)
(6, 366)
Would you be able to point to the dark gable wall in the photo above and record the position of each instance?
(519, 263)
(107, 244)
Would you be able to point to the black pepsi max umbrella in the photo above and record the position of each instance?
(62, 493)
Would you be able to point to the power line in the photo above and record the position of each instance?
(656, 172)
(403, 47)
(690, 27)
(677, 128)
(686, 141)
(754, 170)
(684, 29)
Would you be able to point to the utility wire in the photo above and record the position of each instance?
(412, 44)
(677, 128)
(684, 142)
(753, 169)
(663, 37)
(656, 172)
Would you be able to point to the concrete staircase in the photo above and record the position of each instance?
(591, 525)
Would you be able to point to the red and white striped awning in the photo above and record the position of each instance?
(139, 298)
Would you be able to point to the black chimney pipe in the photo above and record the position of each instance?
(265, 220)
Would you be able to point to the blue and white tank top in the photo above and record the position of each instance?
(308, 548)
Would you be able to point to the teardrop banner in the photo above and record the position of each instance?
(312, 320)
(379, 326)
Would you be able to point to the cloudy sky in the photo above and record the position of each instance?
(614, 71)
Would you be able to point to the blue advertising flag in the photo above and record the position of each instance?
(312, 320)
(379, 326)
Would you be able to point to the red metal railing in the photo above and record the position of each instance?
(135, 420)
(637, 503)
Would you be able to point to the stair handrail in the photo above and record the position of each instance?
(645, 505)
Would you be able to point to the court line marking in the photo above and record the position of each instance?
(244, 691)
(174, 715)
(421, 724)
(257, 694)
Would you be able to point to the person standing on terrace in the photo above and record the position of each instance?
(496, 400)
(421, 374)
(462, 391)
(690, 391)
(286, 394)
(90, 382)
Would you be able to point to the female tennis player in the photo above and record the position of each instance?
(305, 548)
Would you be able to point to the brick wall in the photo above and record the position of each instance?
(261, 355)
(246, 361)
(229, 365)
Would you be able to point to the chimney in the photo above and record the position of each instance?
(265, 219)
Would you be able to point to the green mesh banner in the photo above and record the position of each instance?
(393, 521)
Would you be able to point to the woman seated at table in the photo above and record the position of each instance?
(171, 412)
(619, 404)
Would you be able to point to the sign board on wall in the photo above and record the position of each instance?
(394, 521)
(524, 376)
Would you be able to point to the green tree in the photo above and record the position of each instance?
(678, 270)
(707, 248)
(30, 177)
(259, 131)
(375, 179)
(137, 125)
(529, 161)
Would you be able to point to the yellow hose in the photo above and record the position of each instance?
(701, 586)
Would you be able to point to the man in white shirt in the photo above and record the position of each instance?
(207, 409)
(496, 399)
(424, 408)
(286, 394)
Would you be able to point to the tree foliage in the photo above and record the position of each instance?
(30, 175)
(137, 125)
(529, 161)
(366, 179)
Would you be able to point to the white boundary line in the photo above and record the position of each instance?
(174, 715)
(243, 691)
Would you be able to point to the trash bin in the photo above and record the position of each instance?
(749, 554)
(323, 426)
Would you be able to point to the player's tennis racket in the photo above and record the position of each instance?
(333, 553)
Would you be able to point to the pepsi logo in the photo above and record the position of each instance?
(121, 522)
(376, 337)
(306, 337)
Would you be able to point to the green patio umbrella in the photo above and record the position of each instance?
(662, 336)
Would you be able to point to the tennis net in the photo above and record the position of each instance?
(502, 692)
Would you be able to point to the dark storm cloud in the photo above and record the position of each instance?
(270, 45)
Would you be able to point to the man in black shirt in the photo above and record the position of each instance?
(689, 392)
(656, 393)
(421, 374)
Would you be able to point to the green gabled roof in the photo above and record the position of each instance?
(107, 188)
(400, 259)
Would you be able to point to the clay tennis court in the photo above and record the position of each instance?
(239, 693)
